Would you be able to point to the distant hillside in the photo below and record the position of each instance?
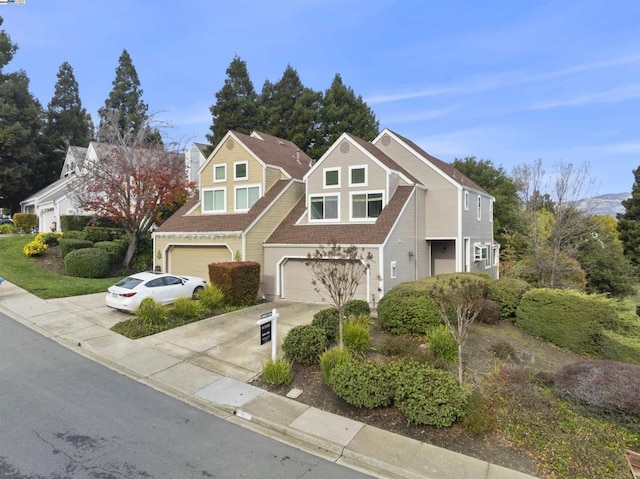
(609, 204)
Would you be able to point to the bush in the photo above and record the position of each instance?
(277, 372)
(400, 312)
(6, 229)
(68, 245)
(50, 239)
(479, 417)
(73, 234)
(153, 314)
(329, 359)
(618, 347)
(362, 383)
(114, 248)
(402, 346)
(76, 223)
(96, 233)
(356, 335)
(211, 297)
(36, 247)
(304, 344)
(489, 311)
(329, 320)
(503, 350)
(428, 396)
(187, 309)
(25, 222)
(356, 307)
(87, 263)
(507, 292)
(444, 349)
(567, 318)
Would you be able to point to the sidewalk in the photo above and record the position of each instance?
(208, 364)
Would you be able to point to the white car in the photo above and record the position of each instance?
(128, 293)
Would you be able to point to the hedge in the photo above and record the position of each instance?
(239, 281)
(87, 263)
(508, 292)
(68, 245)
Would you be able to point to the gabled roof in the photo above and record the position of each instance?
(55, 190)
(181, 221)
(288, 232)
(444, 167)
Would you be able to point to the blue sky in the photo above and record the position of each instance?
(508, 81)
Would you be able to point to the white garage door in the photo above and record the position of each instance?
(296, 284)
(194, 260)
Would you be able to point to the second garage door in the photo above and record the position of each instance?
(194, 260)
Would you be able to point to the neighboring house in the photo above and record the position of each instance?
(194, 158)
(247, 186)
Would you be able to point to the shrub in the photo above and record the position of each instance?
(211, 297)
(6, 229)
(503, 350)
(114, 248)
(74, 222)
(399, 346)
(507, 292)
(152, 313)
(238, 280)
(356, 335)
(87, 263)
(567, 318)
(36, 247)
(50, 239)
(400, 312)
(25, 222)
(479, 417)
(428, 396)
(618, 347)
(330, 358)
(67, 245)
(362, 383)
(329, 320)
(444, 349)
(277, 372)
(187, 309)
(304, 344)
(73, 234)
(356, 307)
(96, 233)
(489, 311)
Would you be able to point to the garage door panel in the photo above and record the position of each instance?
(195, 260)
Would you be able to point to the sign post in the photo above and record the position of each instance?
(268, 323)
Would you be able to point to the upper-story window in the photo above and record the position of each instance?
(491, 211)
(240, 170)
(331, 177)
(220, 173)
(466, 201)
(213, 200)
(246, 197)
(357, 176)
(479, 208)
(366, 205)
(324, 207)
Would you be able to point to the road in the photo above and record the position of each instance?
(62, 416)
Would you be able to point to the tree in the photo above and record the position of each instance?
(124, 108)
(67, 122)
(133, 184)
(629, 222)
(338, 271)
(236, 105)
(457, 301)
(20, 126)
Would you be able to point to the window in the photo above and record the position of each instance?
(332, 177)
(479, 208)
(246, 197)
(324, 207)
(466, 201)
(496, 255)
(394, 270)
(219, 173)
(480, 252)
(213, 201)
(366, 205)
(357, 176)
(240, 170)
(491, 211)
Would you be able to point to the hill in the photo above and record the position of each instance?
(609, 204)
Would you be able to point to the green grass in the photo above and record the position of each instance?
(27, 274)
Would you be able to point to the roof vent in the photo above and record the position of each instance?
(344, 147)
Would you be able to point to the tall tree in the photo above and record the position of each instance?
(125, 108)
(629, 222)
(67, 123)
(236, 106)
(20, 126)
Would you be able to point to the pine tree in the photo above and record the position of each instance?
(236, 106)
(20, 125)
(67, 122)
(629, 222)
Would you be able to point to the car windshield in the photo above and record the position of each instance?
(128, 283)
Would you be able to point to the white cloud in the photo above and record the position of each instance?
(628, 92)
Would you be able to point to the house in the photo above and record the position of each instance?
(415, 214)
(247, 186)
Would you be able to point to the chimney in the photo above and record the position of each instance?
(298, 155)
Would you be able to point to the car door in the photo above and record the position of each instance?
(155, 290)
(173, 288)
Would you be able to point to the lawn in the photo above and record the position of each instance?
(26, 273)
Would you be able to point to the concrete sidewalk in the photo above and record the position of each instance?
(209, 363)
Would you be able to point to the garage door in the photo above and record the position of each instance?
(194, 260)
(296, 284)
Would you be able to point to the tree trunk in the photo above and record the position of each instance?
(128, 258)
(460, 364)
(340, 323)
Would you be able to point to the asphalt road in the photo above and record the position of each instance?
(63, 416)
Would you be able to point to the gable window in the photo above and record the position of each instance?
(466, 201)
(220, 173)
(324, 207)
(213, 200)
(240, 170)
(246, 197)
(366, 205)
(357, 176)
(331, 177)
(479, 208)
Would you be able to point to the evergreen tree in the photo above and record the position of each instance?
(67, 122)
(20, 125)
(236, 106)
(629, 222)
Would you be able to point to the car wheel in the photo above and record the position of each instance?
(146, 302)
(197, 292)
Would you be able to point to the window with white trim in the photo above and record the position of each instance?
(220, 172)
(246, 197)
(487, 260)
(495, 255)
(358, 175)
(491, 210)
(394, 270)
(323, 207)
(480, 252)
(466, 201)
(366, 205)
(331, 177)
(240, 170)
(479, 208)
(213, 200)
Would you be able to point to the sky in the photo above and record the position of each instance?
(509, 81)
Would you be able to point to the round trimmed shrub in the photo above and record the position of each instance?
(356, 335)
(508, 292)
(67, 245)
(362, 383)
(304, 344)
(407, 313)
(329, 320)
(87, 263)
(330, 358)
(356, 307)
(114, 248)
